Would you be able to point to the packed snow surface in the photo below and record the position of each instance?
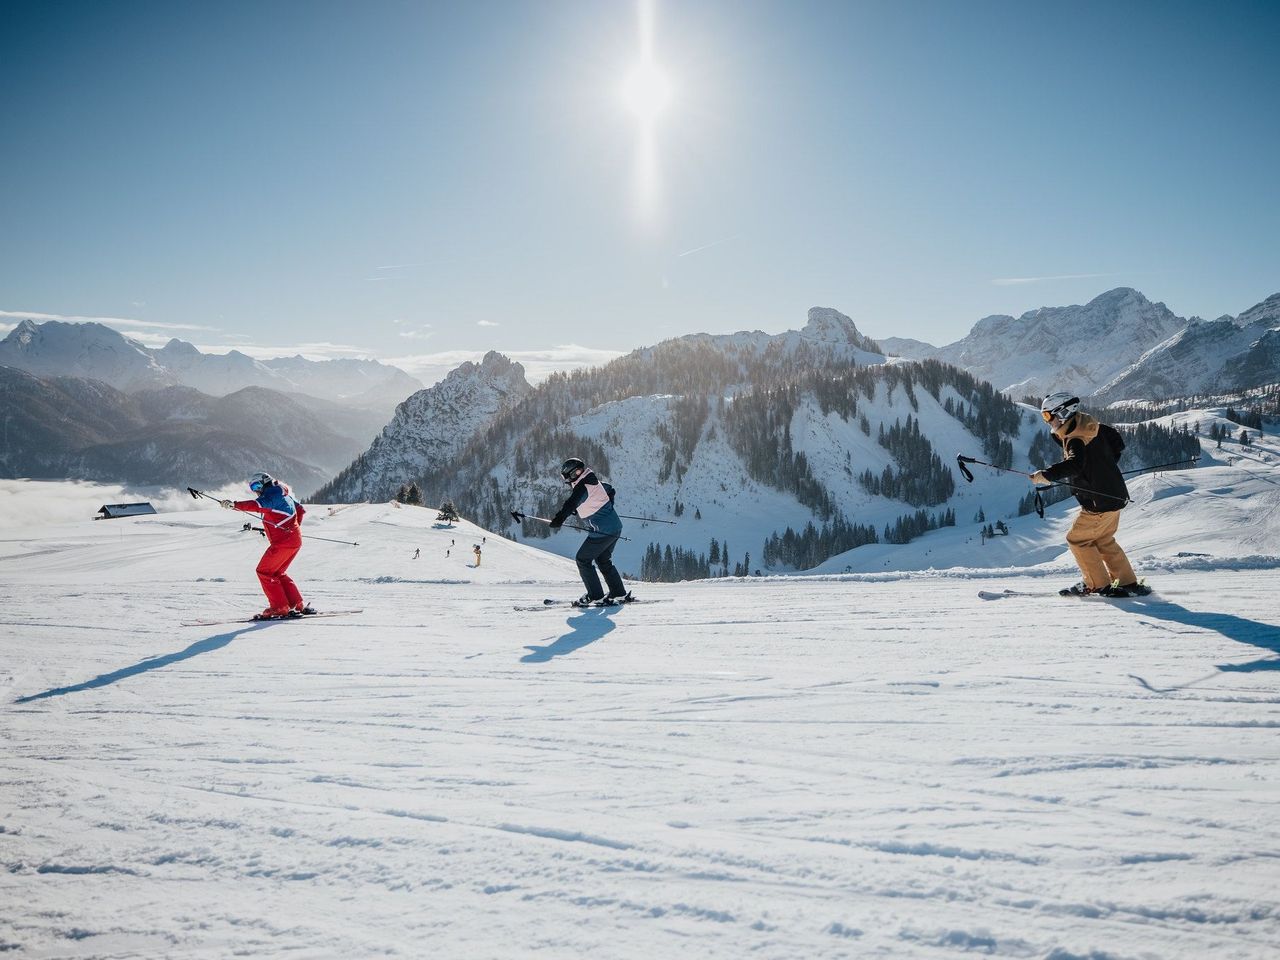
(853, 765)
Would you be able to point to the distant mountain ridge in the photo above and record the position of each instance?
(1206, 356)
(1076, 348)
(1118, 346)
(429, 428)
(97, 352)
(77, 428)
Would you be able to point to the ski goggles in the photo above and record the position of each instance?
(255, 486)
(1056, 413)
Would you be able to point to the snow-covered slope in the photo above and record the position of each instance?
(430, 427)
(1076, 348)
(873, 764)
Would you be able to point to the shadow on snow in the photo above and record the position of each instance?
(587, 627)
(207, 645)
(1252, 632)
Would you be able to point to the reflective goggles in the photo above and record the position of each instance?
(255, 486)
(1048, 416)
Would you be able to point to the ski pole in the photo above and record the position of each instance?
(305, 536)
(197, 494)
(517, 516)
(961, 460)
(1160, 466)
(648, 519)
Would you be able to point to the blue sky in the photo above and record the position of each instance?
(420, 181)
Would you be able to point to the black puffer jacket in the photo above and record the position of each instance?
(1090, 450)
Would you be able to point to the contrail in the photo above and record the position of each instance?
(708, 246)
(1013, 281)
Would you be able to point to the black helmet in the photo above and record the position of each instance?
(572, 469)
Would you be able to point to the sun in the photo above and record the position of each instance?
(646, 91)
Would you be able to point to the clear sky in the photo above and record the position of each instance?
(421, 181)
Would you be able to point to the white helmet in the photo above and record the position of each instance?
(1059, 406)
(259, 481)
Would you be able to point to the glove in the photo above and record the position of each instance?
(555, 528)
(226, 504)
(1039, 479)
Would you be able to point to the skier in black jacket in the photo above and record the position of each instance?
(1090, 450)
(592, 500)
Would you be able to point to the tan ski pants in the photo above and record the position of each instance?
(1092, 539)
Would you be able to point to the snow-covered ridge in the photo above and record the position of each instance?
(97, 352)
(430, 427)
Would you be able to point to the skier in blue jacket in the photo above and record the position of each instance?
(592, 500)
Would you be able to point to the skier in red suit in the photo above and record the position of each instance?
(282, 521)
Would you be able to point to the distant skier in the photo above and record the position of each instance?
(416, 551)
(476, 548)
(282, 521)
(592, 500)
(1090, 450)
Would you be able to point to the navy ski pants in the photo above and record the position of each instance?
(599, 551)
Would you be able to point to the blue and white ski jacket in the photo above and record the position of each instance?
(592, 501)
(281, 514)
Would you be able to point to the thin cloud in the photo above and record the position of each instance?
(487, 323)
(708, 246)
(422, 333)
(1015, 281)
(321, 350)
(107, 321)
(538, 364)
(398, 266)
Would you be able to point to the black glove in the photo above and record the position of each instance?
(555, 527)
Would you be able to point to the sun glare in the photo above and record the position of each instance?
(647, 92)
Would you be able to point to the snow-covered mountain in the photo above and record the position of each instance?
(78, 428)
(779, 448)
(429, 428)
(1206, 357)
(88, 350)
(907, 347)
(97, 352)
(1076, 348)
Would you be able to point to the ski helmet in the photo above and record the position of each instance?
(1059, 406)
(259, 481)
(572, 469)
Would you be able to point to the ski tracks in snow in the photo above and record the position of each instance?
(775, 769)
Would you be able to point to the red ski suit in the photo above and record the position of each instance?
(282, 521)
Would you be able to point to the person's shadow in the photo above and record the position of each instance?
(207, 645)
(1265, 636)
(587, 627)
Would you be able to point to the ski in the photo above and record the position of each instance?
(1001, 594)
(309, 616)
(600, 605)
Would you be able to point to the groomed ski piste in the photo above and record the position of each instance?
(871, 764)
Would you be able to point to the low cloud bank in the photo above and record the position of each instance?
(31, 503)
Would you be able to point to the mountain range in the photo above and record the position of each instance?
(77, 428)
(1118, 346)
(97, 352)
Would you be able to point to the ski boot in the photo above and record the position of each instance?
(1076, 590)
(586, 600)
(272, 613)
(1120, 591)
(304, 610)
(617, 599)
